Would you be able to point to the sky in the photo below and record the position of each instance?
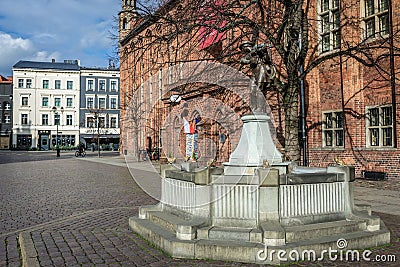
(42, 30)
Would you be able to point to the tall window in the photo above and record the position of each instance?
(28, 83)
(380, 126)
(7, 106)
(113, 122)
(69, 102)
(69, 119)
(90, 85)
(102, 102)
(113, 103)
(20, 83)
(102, 85)
(89, 122)
(329, 18)
(89, 102)
(113, 85)
(57, 101)
(24, 119)
(45, 84)
(45, 101)
(57, 118)
(102, 122)
(57, 84)
(376, 18)
(45, 119)
(70, 85)
(332, 129)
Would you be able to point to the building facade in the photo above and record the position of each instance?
(99, 107)
(6, 97)
(353, 115)
(351, 108)
(46, 104)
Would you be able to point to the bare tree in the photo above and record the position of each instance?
(170, 32)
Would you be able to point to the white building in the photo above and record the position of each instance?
(46, 99)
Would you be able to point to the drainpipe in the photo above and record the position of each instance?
(392, 74)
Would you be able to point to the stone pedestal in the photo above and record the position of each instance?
(255, 148)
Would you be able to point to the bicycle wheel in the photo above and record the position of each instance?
(76, 153)
(83, 154)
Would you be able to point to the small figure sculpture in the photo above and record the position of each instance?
(263, 72)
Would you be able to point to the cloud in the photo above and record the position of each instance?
(46, 29)
(16, 49)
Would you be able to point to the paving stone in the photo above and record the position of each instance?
(80, 209)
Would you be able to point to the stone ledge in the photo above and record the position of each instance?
(241, 251)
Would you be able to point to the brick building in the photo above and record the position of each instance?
(351, 109)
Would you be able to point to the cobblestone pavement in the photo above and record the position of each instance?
(74, 212)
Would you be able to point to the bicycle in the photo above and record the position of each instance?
(79, 153)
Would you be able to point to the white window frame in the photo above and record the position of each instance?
(70, 85)
(90, 97)
(56, 83)
(69, 119)
(21, 83)
(45, 84)
(333, 30)
(47, 118)
(104, 83)
(116, 102)
(27, 118)
(55, 103)
(72, 102)
(22, 101)
(98, 102)
(381, 127)
(29, 83)
(375, 16)
(116, 121)
(43, 97)
(92, 84)
(111, 85)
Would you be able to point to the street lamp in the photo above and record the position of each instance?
(9, 130)
(54, 109)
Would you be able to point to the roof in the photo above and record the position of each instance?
(100, 68)
(46, 65)
(5, 80)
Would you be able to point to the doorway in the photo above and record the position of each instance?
(44, 142)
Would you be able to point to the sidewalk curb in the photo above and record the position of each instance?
(28, 251)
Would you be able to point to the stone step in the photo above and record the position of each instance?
(182, 228)
(353, 240)
(250, 252)
(230, 233)
(319, 230)
(166, 220)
